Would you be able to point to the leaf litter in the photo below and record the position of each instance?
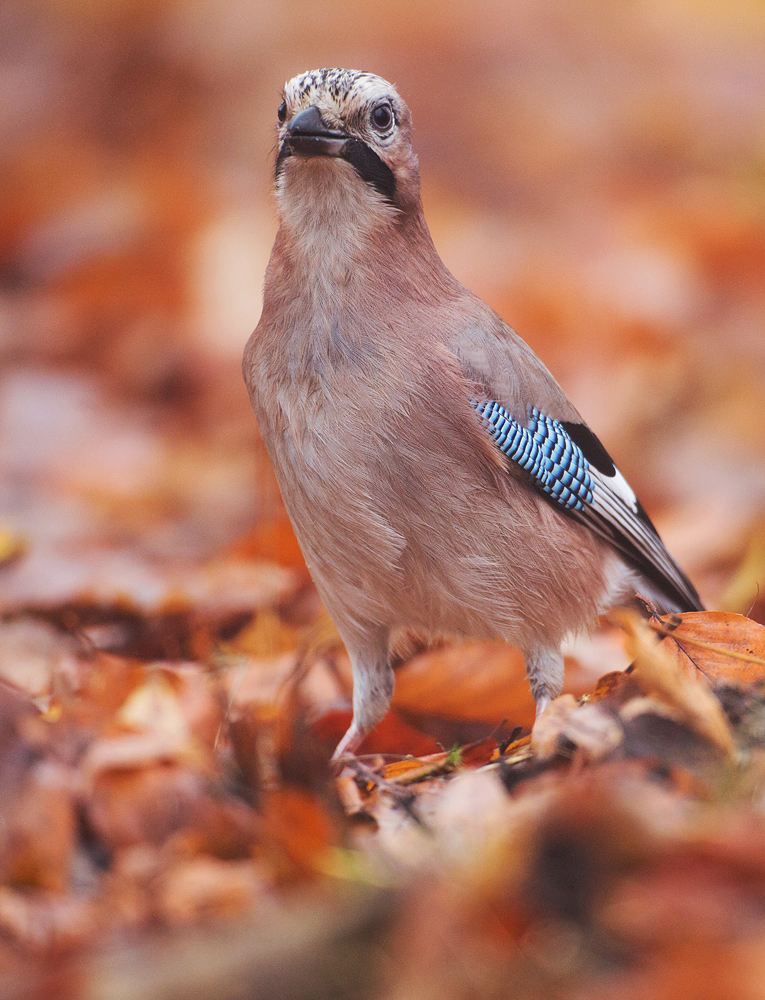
(171, 688)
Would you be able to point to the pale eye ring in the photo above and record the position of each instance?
(382, 117)
(281, 114)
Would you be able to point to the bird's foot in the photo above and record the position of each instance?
(345, 750)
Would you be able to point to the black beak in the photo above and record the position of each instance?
(307, 135)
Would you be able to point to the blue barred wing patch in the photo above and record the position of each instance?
(544, 450)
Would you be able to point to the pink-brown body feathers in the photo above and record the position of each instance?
(361, 373)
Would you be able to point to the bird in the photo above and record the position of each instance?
(439, 481)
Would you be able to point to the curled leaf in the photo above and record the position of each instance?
(658, 674)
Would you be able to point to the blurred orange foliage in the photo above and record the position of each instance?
(170, 686)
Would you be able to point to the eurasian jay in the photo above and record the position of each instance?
(438, 479)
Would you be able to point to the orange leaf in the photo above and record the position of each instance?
(658, 674)
(274, 540)
(395, 770)
(716, 644)
(299, 828)
(613, 685)
(476, 754)
(391, 735)
(477, 681)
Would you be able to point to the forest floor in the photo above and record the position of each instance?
(171, 688)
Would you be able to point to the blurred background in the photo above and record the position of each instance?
(595, 171)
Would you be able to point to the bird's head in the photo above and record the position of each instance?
(345, 135)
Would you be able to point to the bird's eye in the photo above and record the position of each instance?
(281, 114)
(382, 117)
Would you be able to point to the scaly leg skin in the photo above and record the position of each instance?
(544, 668)
(373, 683)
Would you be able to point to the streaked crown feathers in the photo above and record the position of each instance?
(342, 95)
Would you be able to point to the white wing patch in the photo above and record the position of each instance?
(619, 485)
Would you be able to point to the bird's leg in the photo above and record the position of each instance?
(348, 744)
(373, 682)
(544, 668)
(542, 702)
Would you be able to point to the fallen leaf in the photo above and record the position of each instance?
(477, 681)
(38, 837)
(136, 750)
(154, 708)
(748, 581)
(414, 767)
(266, 636)
(123, 579)
(654, 731)
(594, 730)
(42, 921)
(300, 830)
(392, 735)
(12, 545)
(204, 888)
(272, 539)
(147, 804)
(34, 655)
(548, 727)
(200, 696)
(617, 686)
(348, 792)
(478, 753)
(659, 674)
(256, 682)
(716, 645)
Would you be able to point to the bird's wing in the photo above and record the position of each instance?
(567, 464)
(537, 428)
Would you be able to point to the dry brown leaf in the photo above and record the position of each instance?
(144, 804)
(748, 581)
(594, 730)
(390, 736)
(155, 708)
(203, 888)
(299, 830)
(644, 704)
(124, 579)
(34, 656)
(38, 836)
(272, 539)
(717, 645)
(12, 545)
(230, 585)
(137, 750)
(548, 727)
(322, 637)
(657, 674)
(266, 636)
(45, 921)
(348, 792)
(261, 682)
(201, 699)
(398, 769)
(615, 685)
(479, 753)
(478, 681)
